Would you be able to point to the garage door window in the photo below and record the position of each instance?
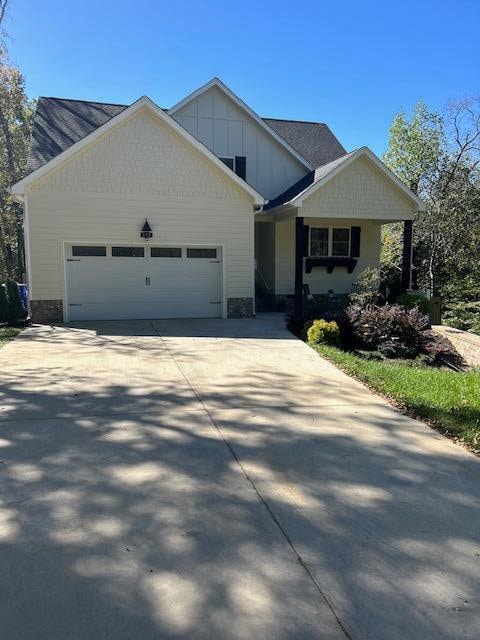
(202, 253)
(86, 250)
(128, 252)
(166, 252)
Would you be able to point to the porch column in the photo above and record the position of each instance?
(299, 251)
(407, 255)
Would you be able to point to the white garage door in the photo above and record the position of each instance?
(133, 282)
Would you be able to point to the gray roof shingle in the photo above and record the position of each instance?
(312, 140)
(59, 123)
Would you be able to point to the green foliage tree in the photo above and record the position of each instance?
(438, 157)
(16, 117)
(3, 304)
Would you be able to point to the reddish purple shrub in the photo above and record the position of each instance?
(373, 327)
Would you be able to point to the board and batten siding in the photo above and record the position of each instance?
(358, 191)
(319, 280)
(138, 170)
(228, 131)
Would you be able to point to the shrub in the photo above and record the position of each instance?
(366, 287)
(398, 331)
(412, 300)
(312, 310)
(3, 304)
(324, 331)
(15, 308)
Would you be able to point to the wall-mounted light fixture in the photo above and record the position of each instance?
(146, 232)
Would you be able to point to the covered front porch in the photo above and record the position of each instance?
(326, 231)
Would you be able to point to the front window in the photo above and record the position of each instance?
(340, 242)
(319, 242)
(325, 241)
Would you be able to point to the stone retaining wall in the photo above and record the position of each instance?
(467, 344)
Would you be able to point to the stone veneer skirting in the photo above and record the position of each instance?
(240, 307)
(46, 311)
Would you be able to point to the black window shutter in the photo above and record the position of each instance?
(241, 167)
(306, 234)
(355, 242)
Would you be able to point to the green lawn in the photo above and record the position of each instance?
(449, 400)
(7, 334)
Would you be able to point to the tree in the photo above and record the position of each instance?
(438, 158)
(15, 309)
(16, 117)
(3, 304)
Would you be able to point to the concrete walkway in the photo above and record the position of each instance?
(217, 479)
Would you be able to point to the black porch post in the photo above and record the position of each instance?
(407, 255)
(299, 251)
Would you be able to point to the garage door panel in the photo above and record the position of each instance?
(107, 288)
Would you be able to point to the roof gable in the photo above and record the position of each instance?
(315, 180)
(116, 120)
(216, 82)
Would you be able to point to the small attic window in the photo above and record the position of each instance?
(238, 164)
(230, 162)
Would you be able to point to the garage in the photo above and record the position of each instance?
(129, 282)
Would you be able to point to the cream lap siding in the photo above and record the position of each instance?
(358, 191)
(319, 280)
(228, 131)
(136, 171)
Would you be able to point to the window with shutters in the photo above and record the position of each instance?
(327, 241)
(319, 242)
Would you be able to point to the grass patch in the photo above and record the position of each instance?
(450, 401)
(7, 334)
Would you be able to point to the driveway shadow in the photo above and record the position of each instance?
(124, 514)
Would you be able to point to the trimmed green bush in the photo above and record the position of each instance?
(412, 300)
(322, 331)
(3, 304)
(15, 309)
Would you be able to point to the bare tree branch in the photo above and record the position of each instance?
(3, 10)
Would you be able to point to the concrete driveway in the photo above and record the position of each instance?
(217, 479)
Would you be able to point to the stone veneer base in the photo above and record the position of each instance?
(46, 311)
(240, 307)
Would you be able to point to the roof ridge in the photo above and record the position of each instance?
(300, 121)
(111, 104)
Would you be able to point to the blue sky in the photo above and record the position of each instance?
(351, 64)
